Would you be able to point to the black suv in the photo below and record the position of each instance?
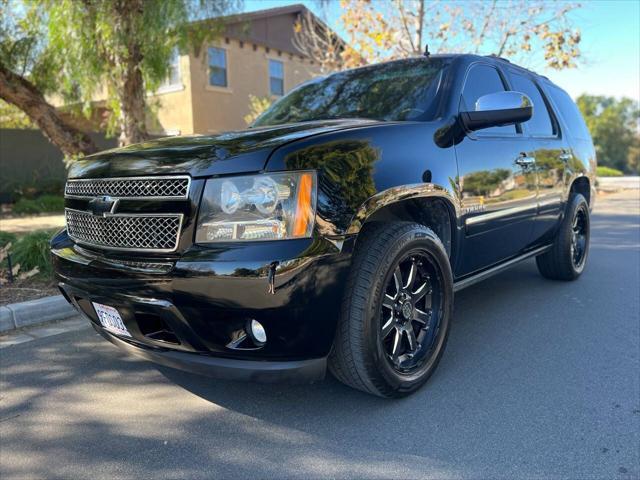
(334, 231)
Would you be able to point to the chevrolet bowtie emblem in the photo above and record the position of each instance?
(103, 206)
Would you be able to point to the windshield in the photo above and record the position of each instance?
(401, 90)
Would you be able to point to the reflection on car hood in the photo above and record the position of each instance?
(231, 152)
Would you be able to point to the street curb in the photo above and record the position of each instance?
(35, 312)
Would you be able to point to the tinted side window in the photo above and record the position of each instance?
(540, 123)
(481, 80)
(570, 113)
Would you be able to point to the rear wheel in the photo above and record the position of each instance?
(396, 312)
(568, 255)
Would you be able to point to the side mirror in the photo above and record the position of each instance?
(498, 109)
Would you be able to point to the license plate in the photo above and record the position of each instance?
(111, 319)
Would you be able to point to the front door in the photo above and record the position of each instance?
(497, 181)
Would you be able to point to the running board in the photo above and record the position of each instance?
(478, 277)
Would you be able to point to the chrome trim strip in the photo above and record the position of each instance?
(116, 179)
(478, 277)
(555, 200)
(498, 214)
(180, 216)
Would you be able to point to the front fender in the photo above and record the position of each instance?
(400, 194)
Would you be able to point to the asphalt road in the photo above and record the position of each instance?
(541, 379)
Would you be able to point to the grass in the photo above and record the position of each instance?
(32, 250)
(608, 172)
(6, 237)
(42, 204)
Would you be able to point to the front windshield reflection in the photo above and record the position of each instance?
(401, 90)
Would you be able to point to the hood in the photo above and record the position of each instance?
(233, 152)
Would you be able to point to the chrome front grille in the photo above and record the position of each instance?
(130, 232)
(174, 187)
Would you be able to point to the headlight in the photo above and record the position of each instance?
(257, 207)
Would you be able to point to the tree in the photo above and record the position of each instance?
(519, 29)
(27, 73)
(315, 39)
(614, 128)
(126, 46)
(257, 105)
(12, 117)
(74, 49)
(633, 156)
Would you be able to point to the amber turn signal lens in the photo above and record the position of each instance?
(303, 205)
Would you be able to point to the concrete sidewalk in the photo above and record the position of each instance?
(29, 224)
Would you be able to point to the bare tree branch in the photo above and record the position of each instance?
(314, 39)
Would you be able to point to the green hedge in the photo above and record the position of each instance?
(43, 204)
(608, 172)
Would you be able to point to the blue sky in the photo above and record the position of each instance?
(610, 43)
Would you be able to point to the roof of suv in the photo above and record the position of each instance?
(491, 58)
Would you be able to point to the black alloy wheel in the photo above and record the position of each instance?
(397, 310)
(411, 311)
(567, 257)
(579, 233)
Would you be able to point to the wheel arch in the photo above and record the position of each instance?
(425, 204)
(583, 186)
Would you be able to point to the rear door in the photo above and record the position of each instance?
(497, 182)
(549, 148)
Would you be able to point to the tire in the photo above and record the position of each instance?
(561, 262)
(367, 354)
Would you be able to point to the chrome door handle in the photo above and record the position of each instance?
(525, 161)
(565, 157)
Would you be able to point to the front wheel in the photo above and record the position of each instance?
(396, 312)
(568, 256)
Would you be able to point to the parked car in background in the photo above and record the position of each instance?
(335, 231)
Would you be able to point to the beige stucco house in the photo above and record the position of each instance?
(209, 92)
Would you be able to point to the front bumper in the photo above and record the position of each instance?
(293, 371)
(186, 312)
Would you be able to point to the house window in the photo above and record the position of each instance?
(173, 77)
(217, 67)
(276, 77)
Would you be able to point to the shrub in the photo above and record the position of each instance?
(608, 172)
(32, 250)
(6, 237)
(42, 204)
(26, 206)
(51, 203)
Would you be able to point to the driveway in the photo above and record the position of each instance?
(540, 379)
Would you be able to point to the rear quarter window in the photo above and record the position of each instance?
(569, 112)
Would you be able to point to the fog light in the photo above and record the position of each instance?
(257, 332)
